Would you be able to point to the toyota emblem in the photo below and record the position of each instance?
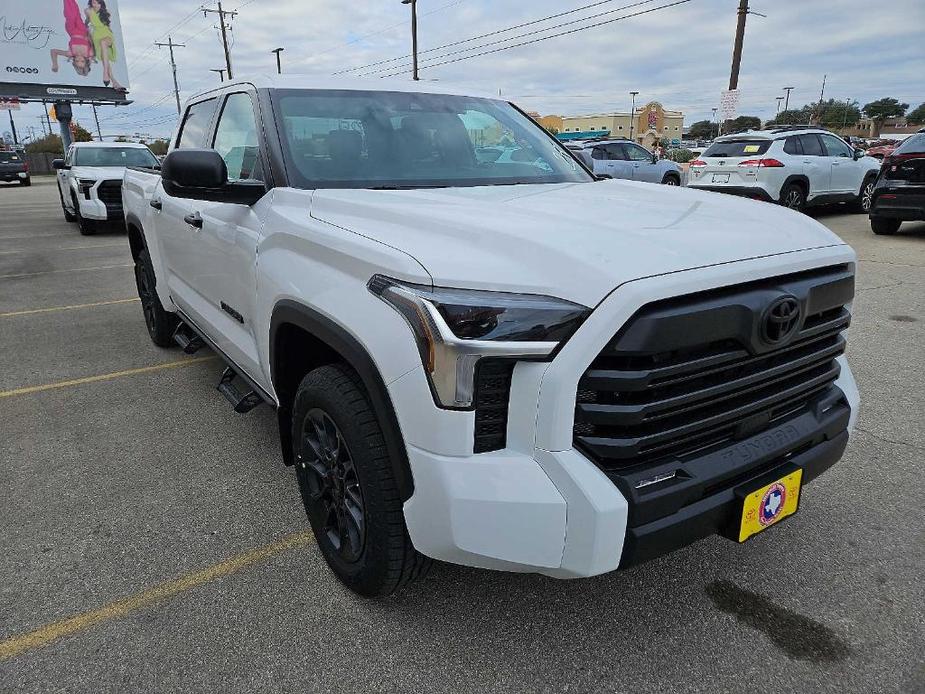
(781, 319)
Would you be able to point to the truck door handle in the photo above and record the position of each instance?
(194, 219)
(156, 204)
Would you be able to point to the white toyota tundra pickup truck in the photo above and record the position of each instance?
(512, 364)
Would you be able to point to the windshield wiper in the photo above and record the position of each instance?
(403, 187)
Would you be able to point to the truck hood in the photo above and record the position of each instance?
(576, 241)
(99, 173)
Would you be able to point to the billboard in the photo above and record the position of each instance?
(62, 49)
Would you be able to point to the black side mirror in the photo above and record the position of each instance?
(654, 158)
(858, 153)
(201, 174)
(58, 164)
(602, 177)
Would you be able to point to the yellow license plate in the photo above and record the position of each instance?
(770, 504)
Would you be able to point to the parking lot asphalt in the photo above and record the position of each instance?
(152, 541)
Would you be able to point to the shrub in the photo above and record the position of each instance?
(679, 155)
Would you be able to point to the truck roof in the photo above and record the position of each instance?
(347, 83)
(110, 144)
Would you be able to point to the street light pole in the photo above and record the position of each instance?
(714, 120)
(632, 114)
(779, 99)
(414, 37)
(279, 65)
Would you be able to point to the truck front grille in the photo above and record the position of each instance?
(691, 374)
(110, 194)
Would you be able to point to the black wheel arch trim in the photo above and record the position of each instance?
(796, 178)
(355, 355)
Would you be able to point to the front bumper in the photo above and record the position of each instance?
(540, 505)
(96, 209)
(14, 176)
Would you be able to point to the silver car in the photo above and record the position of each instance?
(626, 159)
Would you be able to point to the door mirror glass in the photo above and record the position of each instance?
(58, 164)
(201, 174)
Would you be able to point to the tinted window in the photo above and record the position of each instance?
(637, 153)
(114, 156)
(812, 147)
(236, 139)
(835, 147)
(599, 153)
(615, 152)
(9, 157)
(195, 130)
(792, 146)
(737, 148)
(916, 143)
(366, 139)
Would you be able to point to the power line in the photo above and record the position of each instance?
(525, 34)
(544, 38)
(490, 33)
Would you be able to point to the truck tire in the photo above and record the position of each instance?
(884, 226)
(87, 227)
(160, 323)
(25, 182)
(347, 484)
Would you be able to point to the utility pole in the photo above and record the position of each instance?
(844, 125)
(13, 127)
(819, 107)
(787, 100)
(96, 117)
(221, 73)
(632, 114)
(221, 22)
(173, 66)
(47, 118)
(737, 47)
(279, 65)
(414, 37)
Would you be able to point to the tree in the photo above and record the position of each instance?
(917, 115)
(793, 116)
(552, 130)
(159, 147)
(837, 114)
(50, 144)
(741, 124)
(80, 133)
(881, 109)
(701, 130)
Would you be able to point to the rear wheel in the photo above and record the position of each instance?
(160, 323)
(884, 226)
(792, 196)
(347, 484)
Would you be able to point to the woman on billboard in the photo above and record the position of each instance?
(82, 49)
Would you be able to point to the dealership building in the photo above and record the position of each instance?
(650, 122)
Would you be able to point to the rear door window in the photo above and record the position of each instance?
(812, 147)
(737, 148)
(195, 130)
(792, 146)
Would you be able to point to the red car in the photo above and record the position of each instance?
(883, 148)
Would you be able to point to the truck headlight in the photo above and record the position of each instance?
(85, 184)
(455, 328)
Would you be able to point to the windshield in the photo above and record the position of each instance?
(737, 148)
(9, 157)
(915, 144)
(114, 156)
(363, 139)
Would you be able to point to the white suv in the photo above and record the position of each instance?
(795, 166)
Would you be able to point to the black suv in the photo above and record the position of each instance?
(899, 194)
(13, 167)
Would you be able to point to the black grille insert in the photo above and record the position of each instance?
(660, 390)
(110, 193)
(492, 399)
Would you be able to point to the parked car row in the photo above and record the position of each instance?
(621, 158)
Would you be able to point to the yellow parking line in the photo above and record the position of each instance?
(66, 248)
(67, 308)
(114, 610)
(73, 269)
(103, 377)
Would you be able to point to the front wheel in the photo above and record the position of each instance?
(671, 180)
(884, 226)
(87, 227)
(25, 181)
(160, 323)
(348, 486)
(793, 197)
(866, 198)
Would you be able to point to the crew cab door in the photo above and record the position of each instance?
(62, 177)
(228, 238)
(846, 171)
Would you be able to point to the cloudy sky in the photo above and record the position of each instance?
(678, 55)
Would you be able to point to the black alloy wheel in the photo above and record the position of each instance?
(331, 478)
